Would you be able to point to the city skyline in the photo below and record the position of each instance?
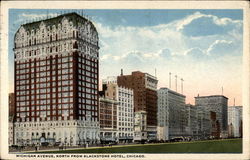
(204, 47)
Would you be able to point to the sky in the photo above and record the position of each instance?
(203, 47)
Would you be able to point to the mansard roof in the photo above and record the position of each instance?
(73, 17)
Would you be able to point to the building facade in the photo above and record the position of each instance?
(140, 126)
(191, 115)
(171, 114)
(108, 120)
(217, 104)
(11, 104)
(204, 127)
(235, 121)
(125, 109)
(144, 86)
(56, 81)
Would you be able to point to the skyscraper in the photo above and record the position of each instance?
(217, 104)
(56, 81)
(144, 86)
(170, 114)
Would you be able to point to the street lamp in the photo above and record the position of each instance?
(65, 141)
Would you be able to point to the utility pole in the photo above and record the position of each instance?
(182, 85)
(176, 83)
(169, 79)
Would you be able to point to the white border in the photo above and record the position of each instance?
(5, 5)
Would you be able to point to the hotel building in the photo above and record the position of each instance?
(56, 81)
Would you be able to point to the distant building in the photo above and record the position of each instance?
(125, 109)
(192, 125)
(171, 114)
(204, 127)
(235, 121)
(110, 80)
(125, 117)
(144, 86)
(56, 81)
(217, 104)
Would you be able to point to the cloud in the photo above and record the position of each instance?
(196, 53)
(221, 47)
(35, 16)
(199, 24)
(29, 17)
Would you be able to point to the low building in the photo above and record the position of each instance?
(235, 121)
(140, 126)
(108, 120)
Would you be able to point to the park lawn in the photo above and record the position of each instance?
(215, 146)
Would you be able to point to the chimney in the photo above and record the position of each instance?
(121, 72)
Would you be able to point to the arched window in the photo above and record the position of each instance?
(50, 38)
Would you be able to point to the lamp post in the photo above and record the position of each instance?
(65, 114)
(65, 142)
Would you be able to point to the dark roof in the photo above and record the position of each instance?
(74, 17)
(211, 96)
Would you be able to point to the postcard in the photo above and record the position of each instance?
(125, 80)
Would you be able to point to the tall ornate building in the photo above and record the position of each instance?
(56, 81)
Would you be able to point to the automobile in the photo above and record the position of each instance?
(57, 143)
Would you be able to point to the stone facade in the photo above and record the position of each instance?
(217, 104)
(170, 114)
(235, 121)
(144, 86)
(108, 120)
(125, 109)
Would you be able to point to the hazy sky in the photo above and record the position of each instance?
(204, 47)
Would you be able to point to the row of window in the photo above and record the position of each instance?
(26, 91)
(126, 129)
